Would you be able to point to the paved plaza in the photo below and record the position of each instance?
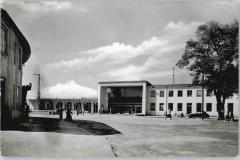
(141, 136)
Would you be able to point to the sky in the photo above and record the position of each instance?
(77, 43)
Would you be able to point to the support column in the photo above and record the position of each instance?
(92, 107)
(99, 98)
(144, 99)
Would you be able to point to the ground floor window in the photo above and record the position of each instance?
(209, 107)
(170, 106)
(161, 106)
(199, 107)
(189, 108)
(179, 106)
(152, 107)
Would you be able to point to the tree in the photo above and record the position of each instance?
(213, 54)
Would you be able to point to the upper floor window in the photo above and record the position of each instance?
(170, 93)
(209, 93)
(152, 93)
(189, 93)
(4, 40)
(161, 94)
(19, 57)
(199, 93)
(180, 93)
(152, 107)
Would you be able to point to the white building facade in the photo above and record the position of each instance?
(148, 99)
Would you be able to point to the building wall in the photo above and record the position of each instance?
(12, 74)
(33, 103)
(102, 94)
(194, 99)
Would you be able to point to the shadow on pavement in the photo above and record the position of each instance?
(83, 127)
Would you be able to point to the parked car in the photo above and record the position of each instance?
(198, 115)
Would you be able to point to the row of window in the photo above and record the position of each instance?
(179, 93)
(189, 107)
(17, 49)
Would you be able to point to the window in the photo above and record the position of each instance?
(189, 93)
(179, 106)
(209, 107)
(180, 93)
(15, 53)
(161, 94)
(199, 107)
(18, 95)
(152, 107)
(170, 93)
(4, 40)
(170, 106)
(189, 108)
(19, 57)
(199, 93)
(152, 93)
(209, 93)
(161, 106)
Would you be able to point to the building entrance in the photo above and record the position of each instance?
(125, 100)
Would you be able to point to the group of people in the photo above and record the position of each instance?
(68, 113)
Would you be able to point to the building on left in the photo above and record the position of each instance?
(15, 51)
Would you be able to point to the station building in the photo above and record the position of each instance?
(89, 105)
(15, 51)
(143, 98)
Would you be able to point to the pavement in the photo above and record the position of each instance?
(141, 136)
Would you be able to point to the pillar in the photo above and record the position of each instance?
(144, 99)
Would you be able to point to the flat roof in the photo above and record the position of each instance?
(26, 47)
(123, 82)
(176, 86)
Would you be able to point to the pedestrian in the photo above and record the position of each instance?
(232, 116)
(182, 115)
(26, 111)
(68, 115)
(78, 110)
(60, 112)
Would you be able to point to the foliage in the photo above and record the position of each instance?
(214, 53)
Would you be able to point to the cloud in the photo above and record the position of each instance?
(180, 29)
(69, 89)
(116, 53)
(44, 6)
(139, 72)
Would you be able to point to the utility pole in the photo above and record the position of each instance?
(38, 92)
(202, 95)
(173, 75)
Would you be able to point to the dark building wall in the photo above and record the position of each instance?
(13, 55)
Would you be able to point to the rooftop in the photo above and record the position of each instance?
(26, 47)
(111, 82)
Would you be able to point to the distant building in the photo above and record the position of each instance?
(141, 97)
(15, 51)
(89, 105)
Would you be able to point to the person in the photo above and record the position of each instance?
(78, 110)
(182, 115)
(26, 111)
(68, 115)
(232, 116)
(228, 115)
(60, 112)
